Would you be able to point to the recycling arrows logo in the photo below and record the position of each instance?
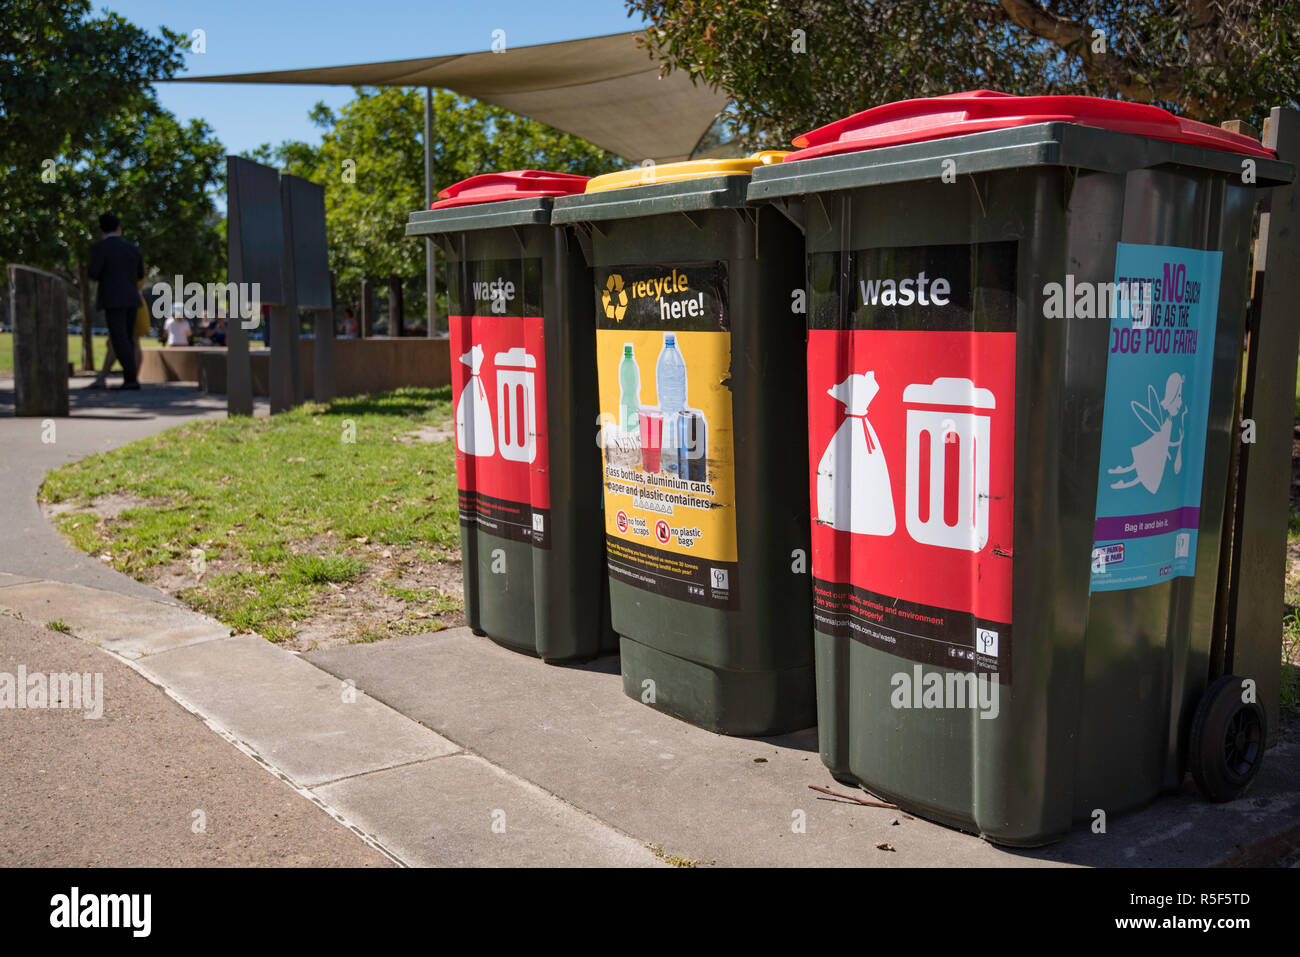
(614, 298)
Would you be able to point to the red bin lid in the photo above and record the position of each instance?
(932, 118)
(513, 184)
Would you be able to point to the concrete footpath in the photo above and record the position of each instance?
(437, 749)
(395, 790)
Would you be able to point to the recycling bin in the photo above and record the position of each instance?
(699, 345)
(1025, 316)
(522, 353)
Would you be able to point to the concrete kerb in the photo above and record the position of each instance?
(370, 840)
(325, 763)
(306, 743)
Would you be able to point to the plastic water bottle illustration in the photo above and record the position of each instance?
(670, 374)
(629, 391)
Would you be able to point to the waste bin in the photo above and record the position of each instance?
(1024, 324)
(699, 343)
(524, 393)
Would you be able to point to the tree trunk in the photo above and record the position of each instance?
(396, 323)
(87, 319)
(365, 320)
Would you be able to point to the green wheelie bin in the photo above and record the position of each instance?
(699, 344)
(522, 353)
(1025, 322)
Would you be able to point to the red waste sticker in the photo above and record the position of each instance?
(498, 381)
(911, 456)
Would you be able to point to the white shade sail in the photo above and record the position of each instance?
(604, 89)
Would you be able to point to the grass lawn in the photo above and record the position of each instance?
(283, 526)
(100, 346)
(99, 343)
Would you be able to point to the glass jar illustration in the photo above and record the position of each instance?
(516, 405)
(947, 498)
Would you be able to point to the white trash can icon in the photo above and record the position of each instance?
(941, 415)
(516, 405)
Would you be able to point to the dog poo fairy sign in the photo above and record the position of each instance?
(1161, 358)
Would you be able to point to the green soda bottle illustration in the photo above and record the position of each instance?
(629, 390)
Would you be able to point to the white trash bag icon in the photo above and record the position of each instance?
(473, 413)
(853, 493)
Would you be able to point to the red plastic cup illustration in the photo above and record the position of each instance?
(652, 437)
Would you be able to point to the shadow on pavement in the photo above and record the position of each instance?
(152, 400)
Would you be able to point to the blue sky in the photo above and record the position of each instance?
(244, 36)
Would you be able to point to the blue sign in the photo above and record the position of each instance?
(1157, 404)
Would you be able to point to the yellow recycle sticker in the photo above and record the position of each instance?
(614, 298)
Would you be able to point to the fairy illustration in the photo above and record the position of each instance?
(1150, 455)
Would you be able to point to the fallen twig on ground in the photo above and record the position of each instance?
(858, 800)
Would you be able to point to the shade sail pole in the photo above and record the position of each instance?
(430, 253)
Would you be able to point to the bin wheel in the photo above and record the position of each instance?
(1227, 743)
(479, 631)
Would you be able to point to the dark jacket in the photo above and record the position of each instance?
(116, 264)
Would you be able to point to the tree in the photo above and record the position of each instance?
(61, 72)
(371, 163)
(155, 173)
(795, 65)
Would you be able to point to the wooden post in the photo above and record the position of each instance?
(396, 319)
(1259, 551)
(38, 309)
(324, 388)
(323, 385)
(286, 385)
(239, 373)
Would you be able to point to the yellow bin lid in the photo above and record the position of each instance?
(690, 169)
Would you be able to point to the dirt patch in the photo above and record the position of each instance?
(428, 433)
(403, 589)
(104, 507)
(401, 592)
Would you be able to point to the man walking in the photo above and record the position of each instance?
(117, 266)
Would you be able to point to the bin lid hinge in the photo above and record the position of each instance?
(975, 187)
(694, 221)
(792, 209)
(582, 234)
(826, 213)
(1071, 178)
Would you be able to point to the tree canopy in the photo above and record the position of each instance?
(62, 72)
(794, 65)
(155, 173)
(81, 134)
